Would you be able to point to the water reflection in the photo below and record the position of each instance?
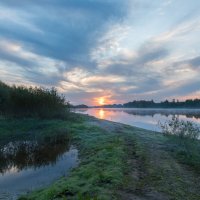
(101, 114)
(23, 154)
(143, 118)
(28, 165)
(189, 113)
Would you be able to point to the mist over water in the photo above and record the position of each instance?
(142, 118)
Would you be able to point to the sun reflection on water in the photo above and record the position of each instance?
(101, 114)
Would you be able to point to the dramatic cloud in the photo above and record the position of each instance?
(119, 50)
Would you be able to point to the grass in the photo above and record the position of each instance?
(183, 141)
(116, 161)
(101, 169)
(155, 172)
(185, 150)
(12, 129)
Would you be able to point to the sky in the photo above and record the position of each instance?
(103, 51)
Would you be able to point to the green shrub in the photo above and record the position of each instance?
(20, 101)
(183, 141)
(180, 128)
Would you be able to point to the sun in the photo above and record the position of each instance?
(101, 101)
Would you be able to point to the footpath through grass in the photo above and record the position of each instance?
(116, 161)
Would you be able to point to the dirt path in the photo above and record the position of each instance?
(165, 173)
(153, 173)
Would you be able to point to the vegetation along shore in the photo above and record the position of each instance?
(116, 161)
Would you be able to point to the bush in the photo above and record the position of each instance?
(32, 102)
(180, 128)
(183, 141)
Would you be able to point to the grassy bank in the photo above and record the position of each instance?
(116, 161)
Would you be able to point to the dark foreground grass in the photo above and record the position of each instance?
(116, 161)
(13, 129)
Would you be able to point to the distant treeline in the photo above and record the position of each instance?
(20, 101)
(79, 106)
(166, 104)
(195, 103)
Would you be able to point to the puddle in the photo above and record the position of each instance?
(30, 165)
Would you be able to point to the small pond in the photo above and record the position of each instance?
(29, 165)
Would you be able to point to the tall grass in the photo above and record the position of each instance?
(183, 141)
(180, 128)
(21, 101)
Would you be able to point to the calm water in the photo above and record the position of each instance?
(143, 118)
(29, 165)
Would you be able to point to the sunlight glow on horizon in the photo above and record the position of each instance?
(101, 101)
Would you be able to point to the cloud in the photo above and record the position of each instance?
(195, 62)
(67, 30)
(120, 50)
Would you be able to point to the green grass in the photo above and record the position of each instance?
(12, 129)
(116, 161)
(185, 150)
(100, 171)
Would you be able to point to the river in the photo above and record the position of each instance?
(142, 118)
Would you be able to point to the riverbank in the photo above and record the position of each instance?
(116, 161)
